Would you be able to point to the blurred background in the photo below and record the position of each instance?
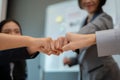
(53, 18)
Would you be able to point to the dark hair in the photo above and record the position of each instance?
(2, 23)
(102, 2)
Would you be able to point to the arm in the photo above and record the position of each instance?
(13, 41)
(108, 41)
(79, 41)
(10, 41)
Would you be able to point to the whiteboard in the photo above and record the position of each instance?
(62, 19)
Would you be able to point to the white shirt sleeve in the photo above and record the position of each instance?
(108, 42)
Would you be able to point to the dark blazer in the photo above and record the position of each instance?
(17, 57)
(18, 71)
(10, 55)
(91, 66)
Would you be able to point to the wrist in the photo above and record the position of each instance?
(35, 44)
(29, 41)
(31, 50)
(93, 39)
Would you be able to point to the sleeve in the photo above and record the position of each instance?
(15, 54)
(74, 61)
(108, 42)
(102, 22)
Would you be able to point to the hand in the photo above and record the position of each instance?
(66, 61)
(57, 45)
(77, 41)
(41, 45)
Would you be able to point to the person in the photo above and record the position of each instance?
(93, 67)
(107, 44)
(10, 44)
(10, 26)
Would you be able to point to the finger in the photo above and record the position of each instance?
(56, 44)
(61, 42)
(51, 52)
(65, 41)
(48, 44)
(70, 46)
(60, 50)
(57, 52)
(52, 45)
(68, 36)
(44, 51)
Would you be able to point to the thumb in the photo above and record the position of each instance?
(68, 36)
(69, 46)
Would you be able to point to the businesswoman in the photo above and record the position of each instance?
(12, 27)
(93, 67)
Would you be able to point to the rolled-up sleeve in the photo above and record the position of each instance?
(108, 42)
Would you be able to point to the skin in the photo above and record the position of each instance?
(56, 45)
(78, 41)
(90, 6)
(66, 61)
(12, 39)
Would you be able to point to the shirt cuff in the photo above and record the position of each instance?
(106, 42)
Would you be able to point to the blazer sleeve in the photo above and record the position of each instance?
(108, 42)
(74, 61)
(102, 22)
(15, 54)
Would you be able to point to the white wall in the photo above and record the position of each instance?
(3, 5)
(117, 25)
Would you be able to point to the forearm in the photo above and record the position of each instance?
(79, 41)
(91, 39)
(10, 41)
